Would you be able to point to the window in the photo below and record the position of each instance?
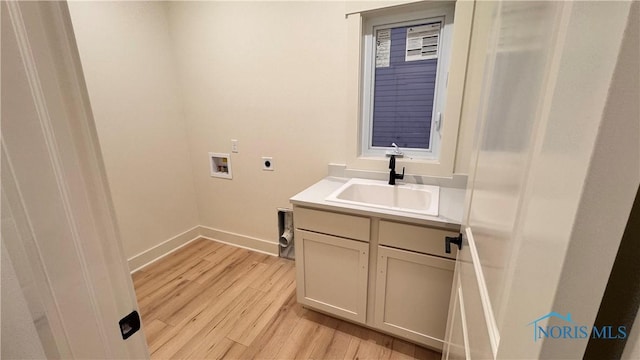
(406, 58)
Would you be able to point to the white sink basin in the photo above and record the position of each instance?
(411, 198)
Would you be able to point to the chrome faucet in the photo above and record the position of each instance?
(392, 173)
(395, 151)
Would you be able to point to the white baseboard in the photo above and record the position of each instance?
(163, 249)
(168, 246)
(239, 240)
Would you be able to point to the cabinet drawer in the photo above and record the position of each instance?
(349, 226)
(415, 238)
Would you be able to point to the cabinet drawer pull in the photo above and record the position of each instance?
(448, 240)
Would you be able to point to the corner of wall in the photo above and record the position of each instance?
(163, 249)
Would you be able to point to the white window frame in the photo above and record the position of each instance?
(444, 13)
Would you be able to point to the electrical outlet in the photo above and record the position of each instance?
(234, 145)
(267, 163)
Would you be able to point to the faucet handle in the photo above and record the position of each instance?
(401, 176)
(395, 152)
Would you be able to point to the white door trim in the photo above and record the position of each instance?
(54, 154)
(55, 177)
(492, 326)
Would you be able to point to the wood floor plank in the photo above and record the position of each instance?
(385, 344)
(210, 300)
(153, 329)
(259, 281)
(426, 354)
(234, 352)
(352, 349)
(358, 343)
(221, 253)
(176, 302)
(266, 283)
(212, 338)
(402, 350)
(196, 271)
(211, 267)
(221, 289)
(323, 337)
(299, 345)
(337, 346)
(138, 277)
(270, 260)
(169, 270)
(220, 349)
(221, 266)
(149, 308)
(249, 326)
(197, 340)
(270, 341)
(367, 350)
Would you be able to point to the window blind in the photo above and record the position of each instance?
(404, 86)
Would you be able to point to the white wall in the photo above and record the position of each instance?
(272, 75)
(130, 72)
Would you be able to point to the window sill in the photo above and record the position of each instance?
(407, 159)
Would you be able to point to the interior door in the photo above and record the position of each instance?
(65, 281)
(544, 79)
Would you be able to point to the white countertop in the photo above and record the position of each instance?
(450, 211)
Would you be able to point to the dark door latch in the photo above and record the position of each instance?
(129, 325)
(448, 240)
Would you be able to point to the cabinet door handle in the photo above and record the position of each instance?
(448, 240)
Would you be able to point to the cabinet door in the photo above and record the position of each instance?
(332, 274)
(412, 295)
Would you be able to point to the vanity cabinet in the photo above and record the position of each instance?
(391, 276)
(332, 271)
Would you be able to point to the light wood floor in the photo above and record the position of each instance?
(210, 300)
